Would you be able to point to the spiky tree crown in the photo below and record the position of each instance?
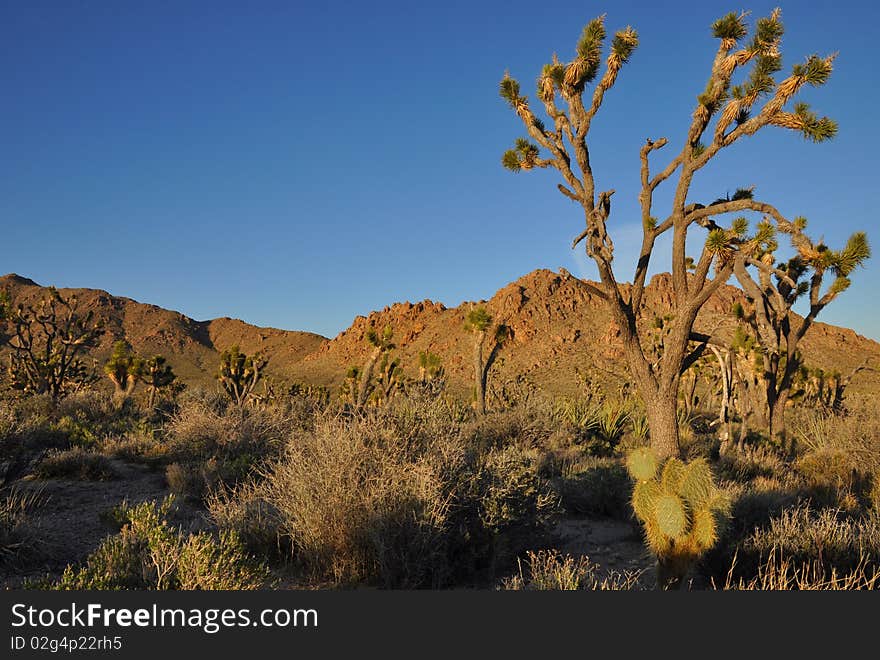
(478, 320)
(122, 363)
(156, 372)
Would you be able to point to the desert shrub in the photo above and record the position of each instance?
(836, 478)
(856, 434)
(76, 463)
(549, 570)
(525, 426)
(398, 497)
(89, 417)
(247, 511)
(148, 553)
(209, 443)
(512, 495)
(356, 507)
(136, 446)
(595, 487)
(751, 462)
(209, 563)
(186, 479)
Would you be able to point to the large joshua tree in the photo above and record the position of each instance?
(773, 288)
(725, 113)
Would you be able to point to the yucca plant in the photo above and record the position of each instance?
(681, 510)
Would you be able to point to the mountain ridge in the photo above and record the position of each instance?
(560, 332)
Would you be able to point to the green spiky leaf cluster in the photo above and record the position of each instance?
(739, 226)
(857, 250)
(680, 506)
(478, 320)
(509, 90)
(730, 26)
(624, 43)
(589, 53)
(768, 33)
(522, 157)
(815, 71)
(813, 127)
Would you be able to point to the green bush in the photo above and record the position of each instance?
(148, 553)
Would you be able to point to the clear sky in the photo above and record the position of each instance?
(295, 164)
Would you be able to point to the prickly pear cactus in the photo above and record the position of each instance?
(680, 507)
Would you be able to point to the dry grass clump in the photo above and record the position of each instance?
(16, 535)
(148, 553)
(76, 463)
(778, 573)
(549, 570)
(802, 536)
(247, 511)
(210, 443)
(358, 507)
(840, 456)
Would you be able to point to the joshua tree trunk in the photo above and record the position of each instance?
(663, 422)
(725, 363)
(479, 376)
(122, 390)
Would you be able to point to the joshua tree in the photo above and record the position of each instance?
(351, 386)
(479, 322)
(157, 375)
(773, 288)
(47, 341)
(389, 379)
(240, 373)
(381, 343)
(123, 369)
(430, 366)
(735, 111)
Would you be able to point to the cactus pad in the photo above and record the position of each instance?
(642, 464)
(671, 515)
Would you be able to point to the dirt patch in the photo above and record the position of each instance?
(69, 524)
(612, 544)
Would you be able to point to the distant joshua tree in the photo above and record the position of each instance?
(772, 288)
(239, 373)
(733, 111)
(430, 366)
(479, 323)
(47, 342)
(123, 369)
(381, 344)
(157, 375)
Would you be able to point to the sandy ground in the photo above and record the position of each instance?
(68, 523)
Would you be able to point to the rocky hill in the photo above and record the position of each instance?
(559, 331)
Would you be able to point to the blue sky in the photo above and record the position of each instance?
(295, 165)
